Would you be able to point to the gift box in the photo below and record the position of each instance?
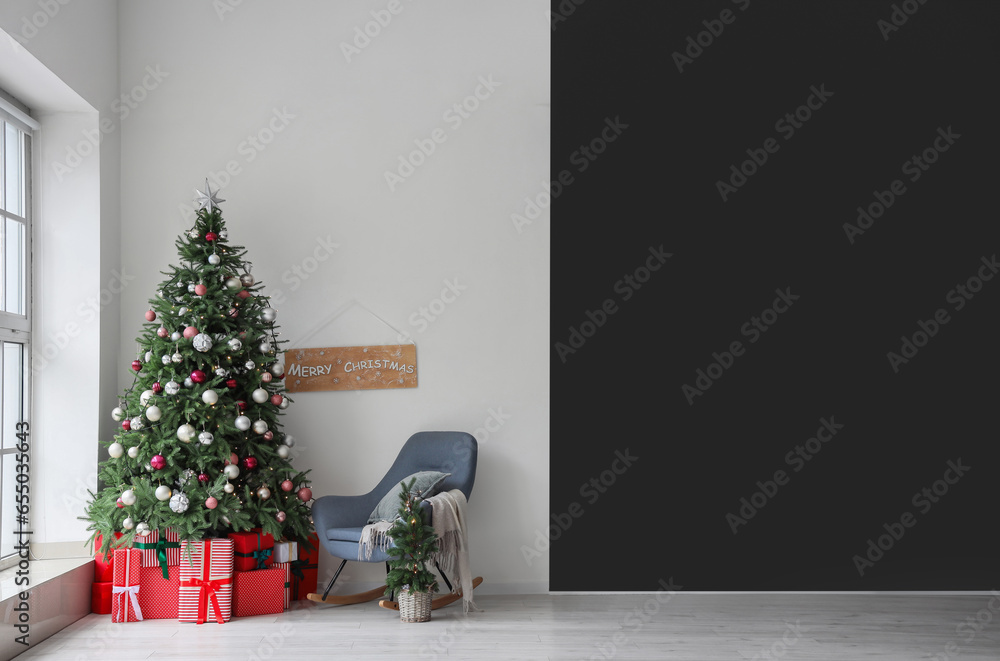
(252, 550)
(158, 595)
(206, 581)
(125, 586)
(259, 592)
(285, 552)
(159, 550)
(310, 555)
(100, 598)
(103, 562)
(286, 567)
(305, 570)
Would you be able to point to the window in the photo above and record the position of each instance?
(15, 310)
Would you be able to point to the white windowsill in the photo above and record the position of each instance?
(39, 571)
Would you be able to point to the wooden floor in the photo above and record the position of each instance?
(685, 626)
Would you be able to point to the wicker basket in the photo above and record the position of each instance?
(415, 606)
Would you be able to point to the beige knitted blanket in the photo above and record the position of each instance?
(451, 526)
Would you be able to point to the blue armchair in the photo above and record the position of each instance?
(339, 520)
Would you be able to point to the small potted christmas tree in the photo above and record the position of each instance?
(414, 541)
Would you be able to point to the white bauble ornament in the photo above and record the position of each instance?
(166, 359)
(191, 288)
(265, 347)
(186, 477)
(172, 388)
(283, 451)
(220, 371)
(210, 396)
(128, 523)
(234, 283)
(242, 423)
(116, 450)
(229, 488)
(224, 234)
(202, 342)
(263, 493)
(175, 336)
(178, 503)
(182, 311)
(214, 259)
(142, 529)
(133, 451)
(250, 365)
(137, 423)
(144, 397)
(278, 368)
(235, 344)
(283, 404)
(259, 426)
(185, 433)
(193, 233)
(232, 471)
(246, 280)
(149, 356)
(163, 492)
(177, 357)
(117, 413)
(288, 440)
(206, 438)
(268, 314)
(128, 497)
(153, 413)
(260, 395)
(189, 382)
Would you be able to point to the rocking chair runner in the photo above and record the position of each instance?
(339, 520)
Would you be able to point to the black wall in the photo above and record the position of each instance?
(879, 97)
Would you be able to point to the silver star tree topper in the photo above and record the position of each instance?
(207, 200)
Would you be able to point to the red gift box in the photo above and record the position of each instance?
(124, 590)
(206, 581)
(259, 592)
(158, 596)
(159, 550)
(103, 563)
(252, 550)
(311, 556)
(100, 598)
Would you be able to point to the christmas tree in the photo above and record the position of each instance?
(201, 449)
(414, 542)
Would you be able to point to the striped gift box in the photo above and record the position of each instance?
(286, 567)
(206, 588)
(159, 550)
(125, 587)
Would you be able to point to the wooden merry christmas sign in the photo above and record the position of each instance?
(351, 368)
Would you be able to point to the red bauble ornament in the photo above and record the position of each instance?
(268, 435)
(280, 516)
(190, 332)
(276, 399)
(211, 236)
(249, 463)
(119, 503)
(202, 477)
(211, 503)
(200, 290)
(287, 485)
(244, 294)
(158, 462)
(150, 315)
(136, 365)
(198, 376)
(127, 425)
(157, 388)
(305, 494)
(241, 404)
(230, 383)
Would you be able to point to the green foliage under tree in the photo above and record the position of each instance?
(414, 541)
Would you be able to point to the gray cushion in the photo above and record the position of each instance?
(426, 485)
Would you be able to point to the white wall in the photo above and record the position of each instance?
(278, 70)
(62, 62)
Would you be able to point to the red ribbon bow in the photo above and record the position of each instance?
(207, 595)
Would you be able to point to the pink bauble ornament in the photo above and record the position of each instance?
(136, 365)
(305, 494)
(280, 516)
(266, 377)
(150, 315)
(233, 459)
(200, 290)
(243, 294)
(127, 425)
(198, 376)
(233, 313)
(287, 485)
(162, 332)
(119, 503)
(157, 388)
(250, 463)
(190, 332)
(211, 236)
(158, 462)
(211, 503)
(268, 435)
(276, 399)
(202, 477)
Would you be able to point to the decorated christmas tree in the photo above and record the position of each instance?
(413, 544)
(201, 450)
